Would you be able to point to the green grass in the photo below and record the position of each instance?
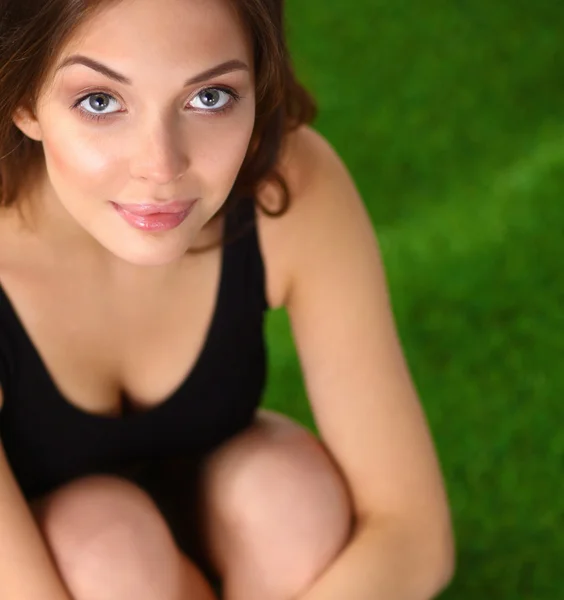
(450, 116)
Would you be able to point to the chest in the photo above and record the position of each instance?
(102, 343)
(184, 371)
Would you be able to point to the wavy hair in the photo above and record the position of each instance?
(33, 32)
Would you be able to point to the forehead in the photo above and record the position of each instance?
(181, 33)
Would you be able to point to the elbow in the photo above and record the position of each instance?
(444, 574)
(428, 558)
(439, 560)
(426, 555)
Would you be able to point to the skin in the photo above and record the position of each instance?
(385, 527)
(156, 142)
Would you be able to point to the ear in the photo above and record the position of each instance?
(26, 121)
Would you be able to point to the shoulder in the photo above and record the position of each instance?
(324, 199)
(16, 241)
(334, 287)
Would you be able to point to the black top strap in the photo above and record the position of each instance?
(243, 251)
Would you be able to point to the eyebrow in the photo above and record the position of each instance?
(227, 67)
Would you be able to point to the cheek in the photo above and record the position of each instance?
(224, 154)
(78, 161)
(99, 164)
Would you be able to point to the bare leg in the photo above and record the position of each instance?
(110, 542)
(276, 511)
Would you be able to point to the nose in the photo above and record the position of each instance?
(158, 155)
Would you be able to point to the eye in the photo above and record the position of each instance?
(98, 104)
(213, 99)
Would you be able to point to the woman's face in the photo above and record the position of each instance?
(145, 123)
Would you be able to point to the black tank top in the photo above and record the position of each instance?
(49, 441)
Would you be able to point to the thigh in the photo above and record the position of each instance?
(108, 537)
(276, 510)
(173, 484)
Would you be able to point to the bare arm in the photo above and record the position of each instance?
(27, 571)
(364, 402)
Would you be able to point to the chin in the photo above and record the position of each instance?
(152, 261)
(147, 256)
(145, 249)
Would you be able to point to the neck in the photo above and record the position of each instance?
(42, 215)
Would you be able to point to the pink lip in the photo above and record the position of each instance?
(155, 217)
(149, 208)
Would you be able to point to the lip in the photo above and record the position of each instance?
(155, 217)
(152, 208)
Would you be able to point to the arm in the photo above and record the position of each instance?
(363, 400)
(27, 571)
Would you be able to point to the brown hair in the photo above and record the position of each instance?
(32, 32)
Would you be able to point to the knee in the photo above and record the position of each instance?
(284, 499)
(107, 536)
(292, 487)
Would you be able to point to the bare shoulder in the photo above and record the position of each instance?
(14, 238)
(328, 267)
(6, 236)
(322, 192)
(5, 252)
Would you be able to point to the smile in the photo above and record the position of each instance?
(155, 217)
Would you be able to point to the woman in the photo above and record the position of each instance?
(160, 190)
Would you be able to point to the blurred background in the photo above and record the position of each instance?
(450, 117)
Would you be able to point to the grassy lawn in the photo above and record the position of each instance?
(450, 116)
